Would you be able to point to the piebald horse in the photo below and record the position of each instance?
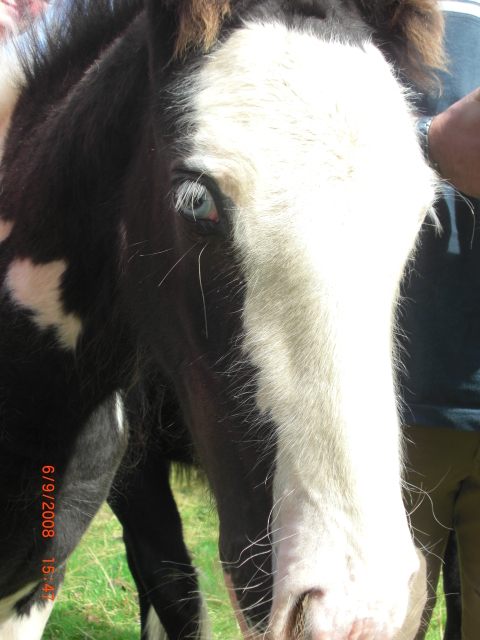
(226, 194)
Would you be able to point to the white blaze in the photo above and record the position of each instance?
(313, 142)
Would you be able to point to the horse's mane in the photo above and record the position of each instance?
(72, 33)
(67, 39)
(410, 32)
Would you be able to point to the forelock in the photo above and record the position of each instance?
(199, 23)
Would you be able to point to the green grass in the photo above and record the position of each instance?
(99, 600)
(437, 624)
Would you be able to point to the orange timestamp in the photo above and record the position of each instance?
(48, 528)
(48, 508)
(49, 570)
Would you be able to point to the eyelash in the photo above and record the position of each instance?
(189, 194)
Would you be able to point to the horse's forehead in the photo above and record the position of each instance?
(272, 101)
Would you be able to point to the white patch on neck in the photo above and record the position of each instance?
(6, 227)
(7, 605)
(27, 627)
(329, 198)
(37, 287)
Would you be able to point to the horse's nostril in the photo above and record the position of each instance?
(298, 624)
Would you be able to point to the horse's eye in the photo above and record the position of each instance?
(194, 201)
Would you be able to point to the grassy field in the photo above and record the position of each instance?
(99, 601)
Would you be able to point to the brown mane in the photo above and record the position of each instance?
(411, 33)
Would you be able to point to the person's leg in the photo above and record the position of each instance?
(437, 461)
(467, 526)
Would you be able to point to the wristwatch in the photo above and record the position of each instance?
(422, 127)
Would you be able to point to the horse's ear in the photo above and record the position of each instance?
(410, 32)
(178, 26)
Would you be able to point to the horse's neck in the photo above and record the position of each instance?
(66, 159)
(64, 166)
(79, 128)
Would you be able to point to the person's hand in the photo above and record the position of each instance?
(454, 144)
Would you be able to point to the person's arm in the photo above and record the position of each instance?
(454, 144)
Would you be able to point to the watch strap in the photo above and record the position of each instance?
(422, 127)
